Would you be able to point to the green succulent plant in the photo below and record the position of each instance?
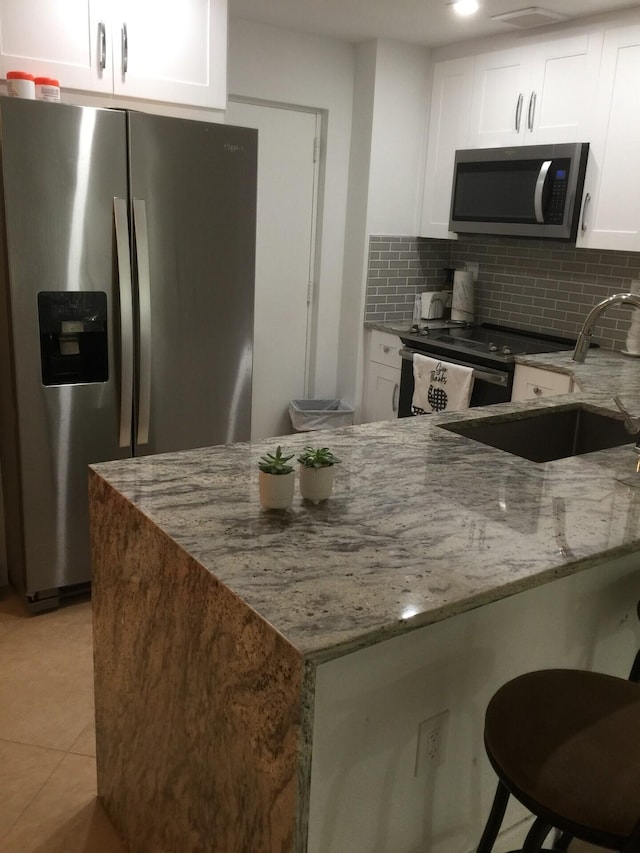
(275, 463)
(317, 457)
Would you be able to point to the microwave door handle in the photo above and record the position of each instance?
(537, 196)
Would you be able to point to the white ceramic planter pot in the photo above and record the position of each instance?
(276, 490)
(316, 484)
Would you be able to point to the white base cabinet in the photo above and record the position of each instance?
(121, 48)
(530, 383)
(382, 390)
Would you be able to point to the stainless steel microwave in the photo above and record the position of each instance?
(528, 191)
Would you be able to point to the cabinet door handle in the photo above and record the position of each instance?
(102, 42)
(587, 202)
(519, 111)
(394, 397)
(386, 349)
(532, 111)
(124, 39)
(537, 389)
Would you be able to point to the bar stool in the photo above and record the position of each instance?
(566, 744)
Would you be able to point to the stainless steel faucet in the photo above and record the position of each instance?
(632, 425)
(584, 338)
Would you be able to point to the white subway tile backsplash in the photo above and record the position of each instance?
(531, 284)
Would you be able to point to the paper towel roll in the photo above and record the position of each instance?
(462, 300)
(633, 335)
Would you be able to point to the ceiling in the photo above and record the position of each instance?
(428, 22)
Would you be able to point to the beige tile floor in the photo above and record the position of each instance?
(48, 800)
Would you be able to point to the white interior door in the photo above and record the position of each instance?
(287, 176)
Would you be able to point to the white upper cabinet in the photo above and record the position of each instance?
(171, 51)
(448, 130)
(160, 51)
(536, 94)
(500, 85)
(611, 201)
(52, 39)
(564, 77)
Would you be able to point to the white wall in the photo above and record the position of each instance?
(351, 308)
(376, 100)
(393, 84)
(287, 67)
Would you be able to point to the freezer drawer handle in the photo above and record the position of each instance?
(126, 319)
(144, 299)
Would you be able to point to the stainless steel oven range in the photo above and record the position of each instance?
(489, 349)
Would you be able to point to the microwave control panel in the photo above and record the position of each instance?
(556, 202)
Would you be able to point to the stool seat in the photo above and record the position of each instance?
(566, 743)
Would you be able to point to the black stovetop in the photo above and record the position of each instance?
(487, 341)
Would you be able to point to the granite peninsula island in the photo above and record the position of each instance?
(270, 681)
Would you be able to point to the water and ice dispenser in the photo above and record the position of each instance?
(73, 337)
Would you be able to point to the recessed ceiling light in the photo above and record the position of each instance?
(466, 7)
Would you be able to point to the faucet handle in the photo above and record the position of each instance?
(632, 424)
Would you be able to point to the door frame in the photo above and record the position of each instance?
(313, 274)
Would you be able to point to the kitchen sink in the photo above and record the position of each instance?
(548, 434)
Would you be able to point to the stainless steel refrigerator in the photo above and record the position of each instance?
(127, 256)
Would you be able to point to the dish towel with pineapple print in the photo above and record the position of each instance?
(439, 386)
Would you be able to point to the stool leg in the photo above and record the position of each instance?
(562, 842)
(494, 821)
(536, 836)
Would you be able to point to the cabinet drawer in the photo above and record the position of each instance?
(384, 348)
(532, 382)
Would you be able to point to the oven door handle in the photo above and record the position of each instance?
(485, 374)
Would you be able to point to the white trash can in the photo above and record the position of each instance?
(308, 415)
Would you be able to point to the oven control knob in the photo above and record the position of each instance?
(506, 350)
(493, 348)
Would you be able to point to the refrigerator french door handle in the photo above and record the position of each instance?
(537, 196)
(121, 220)
(144, 307)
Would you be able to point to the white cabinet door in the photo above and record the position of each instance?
(538, 94)
(159, 51)
(498, 109)
(68, 41)
(383, 390)
(174, 53)
(384, 367)
(611, 206)
(532, 382)
(560, 104)
(448, 131)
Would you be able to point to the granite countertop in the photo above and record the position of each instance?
(423, 523)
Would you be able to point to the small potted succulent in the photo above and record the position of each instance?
(316, 473)
(276, 480)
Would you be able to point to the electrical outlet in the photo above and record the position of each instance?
(430, 743)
